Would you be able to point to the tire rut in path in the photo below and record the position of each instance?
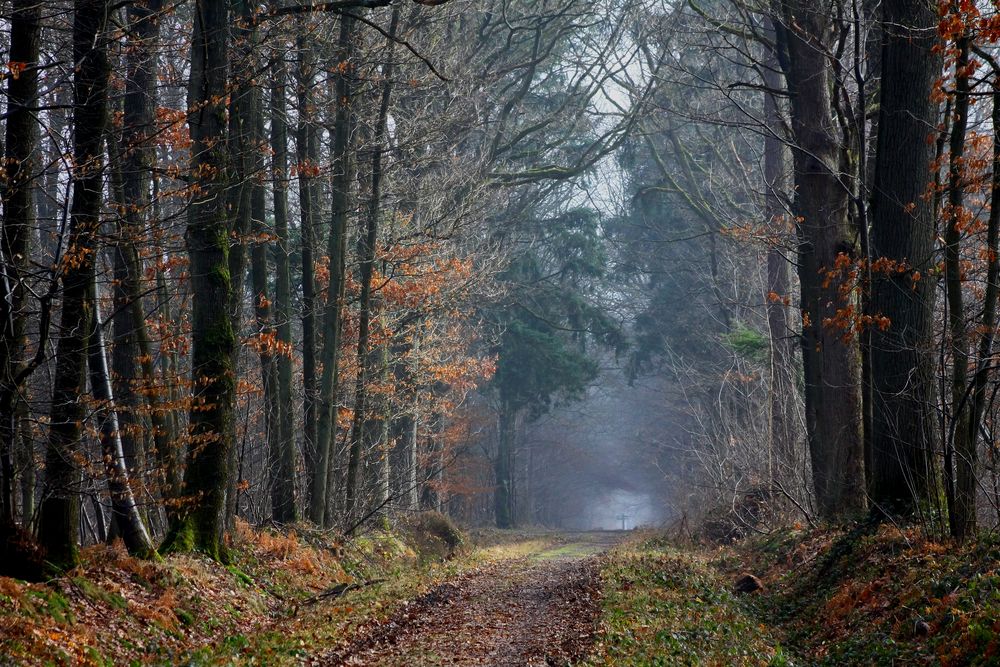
(510, 613)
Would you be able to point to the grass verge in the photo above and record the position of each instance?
(663, 606)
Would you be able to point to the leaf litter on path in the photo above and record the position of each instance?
(522, 612)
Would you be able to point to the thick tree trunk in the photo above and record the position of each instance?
(202, 519)
(20, 162)
(283, 486)
(830, 358)
(60, 511)
(132, 360)
(131, 429)
(903, 231)
(244, 149)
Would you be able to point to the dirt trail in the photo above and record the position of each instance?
(537, 610)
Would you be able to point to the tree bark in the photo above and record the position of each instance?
(903, 232)
(784, 455)
(283, 489)
(283, 509)
(244, 147)
(60, 511)
(124, 509)
(202, 521)
(989, 322)
(340, 204)
(963, 512)
(368, 363)
(307, 149)
(18, 217)
(830, 358)
(132, 359)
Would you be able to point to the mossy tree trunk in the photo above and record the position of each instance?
(201, 520)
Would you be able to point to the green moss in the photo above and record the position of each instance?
(97, 594)
(181, 538)
(48, 603)
(241, 576)
(184, 616)
(219, 275)
(95, 657)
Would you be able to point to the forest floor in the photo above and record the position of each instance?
(538, 609)
(856, 595)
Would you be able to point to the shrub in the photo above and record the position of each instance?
(434, 534)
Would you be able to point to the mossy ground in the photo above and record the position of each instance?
(863, 595)
(665, 606)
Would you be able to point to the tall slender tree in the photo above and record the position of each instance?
(60, 509)
(201, 522)
(20, 160)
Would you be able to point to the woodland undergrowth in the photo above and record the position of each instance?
(862, 595)
(284, 594)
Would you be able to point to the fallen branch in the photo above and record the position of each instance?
(336, 592)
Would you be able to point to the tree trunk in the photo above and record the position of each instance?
(782, 389)
(202, 520)
(989, 322)
(60, 511)
(336, 250)
(903, 232)
(283, 509)
(283, 486)
(307, 149)
(244, 147)
(132, 360)
(830, 357)
(20, 163)
(404, 427)
(366, 254)
(963, 512)
(123, 506)
(503, 495)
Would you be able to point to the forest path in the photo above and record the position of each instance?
(539, 609)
